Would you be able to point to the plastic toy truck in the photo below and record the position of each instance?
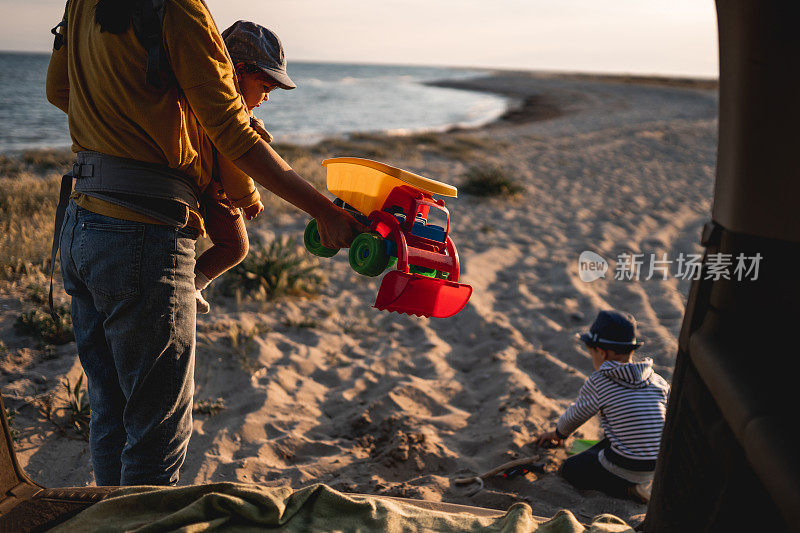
(397, 205)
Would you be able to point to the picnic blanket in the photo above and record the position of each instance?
(246, 507)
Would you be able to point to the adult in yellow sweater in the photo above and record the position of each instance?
(127, 251)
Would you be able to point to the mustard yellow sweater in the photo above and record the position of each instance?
(98, 79)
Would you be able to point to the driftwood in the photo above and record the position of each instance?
(534, 467)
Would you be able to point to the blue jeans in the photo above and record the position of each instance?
(133, 312)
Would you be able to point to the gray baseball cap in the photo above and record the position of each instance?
(249, 43)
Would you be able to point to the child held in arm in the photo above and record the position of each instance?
(258, 57)
(631, 400)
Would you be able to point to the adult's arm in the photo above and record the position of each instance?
(204, 72)
(205, 75)
(337, 228)
(57, 85)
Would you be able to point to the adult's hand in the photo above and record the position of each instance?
(337, 228)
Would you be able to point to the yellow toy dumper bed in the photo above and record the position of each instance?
(365, 184)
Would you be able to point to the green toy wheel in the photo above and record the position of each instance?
(312, 241)
(368, 254)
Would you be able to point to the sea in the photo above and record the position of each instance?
(331, 99)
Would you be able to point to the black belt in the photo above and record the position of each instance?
(121, 181)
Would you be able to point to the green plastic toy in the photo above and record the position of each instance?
(580, 445)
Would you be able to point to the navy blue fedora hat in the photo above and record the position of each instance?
(614, 330)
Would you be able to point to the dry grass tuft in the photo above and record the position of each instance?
(39, 324)
(77, 407)
(11, 414)
(489, 181)
(70, 415)
(27, 210)
(281, 268)
(241, 341)
(209, 407)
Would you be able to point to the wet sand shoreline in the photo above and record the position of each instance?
(529, 105)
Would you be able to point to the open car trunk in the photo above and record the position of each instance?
(728, 459)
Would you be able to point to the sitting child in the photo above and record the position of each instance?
(258, 58)
(632, 401)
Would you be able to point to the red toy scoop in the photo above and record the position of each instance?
(415, 294)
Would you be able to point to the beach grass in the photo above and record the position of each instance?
(77, 406)
(490, 181)
(11, 414)
(36, 161)
(241, 339)
(279, 268)
(27, 208)
(39, 324)
(208, 406)
(456, 146)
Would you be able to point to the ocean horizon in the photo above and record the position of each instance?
(332, 99)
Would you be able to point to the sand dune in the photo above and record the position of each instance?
(336, 392)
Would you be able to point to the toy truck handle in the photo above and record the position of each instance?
(438, 204)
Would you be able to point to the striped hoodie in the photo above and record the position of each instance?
(632, 401)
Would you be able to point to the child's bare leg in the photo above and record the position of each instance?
(225, 227)
(229, 249)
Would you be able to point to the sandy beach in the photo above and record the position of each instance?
(324, 388)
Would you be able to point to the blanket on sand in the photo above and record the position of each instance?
(244, 507)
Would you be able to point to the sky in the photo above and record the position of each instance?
(666, 37)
